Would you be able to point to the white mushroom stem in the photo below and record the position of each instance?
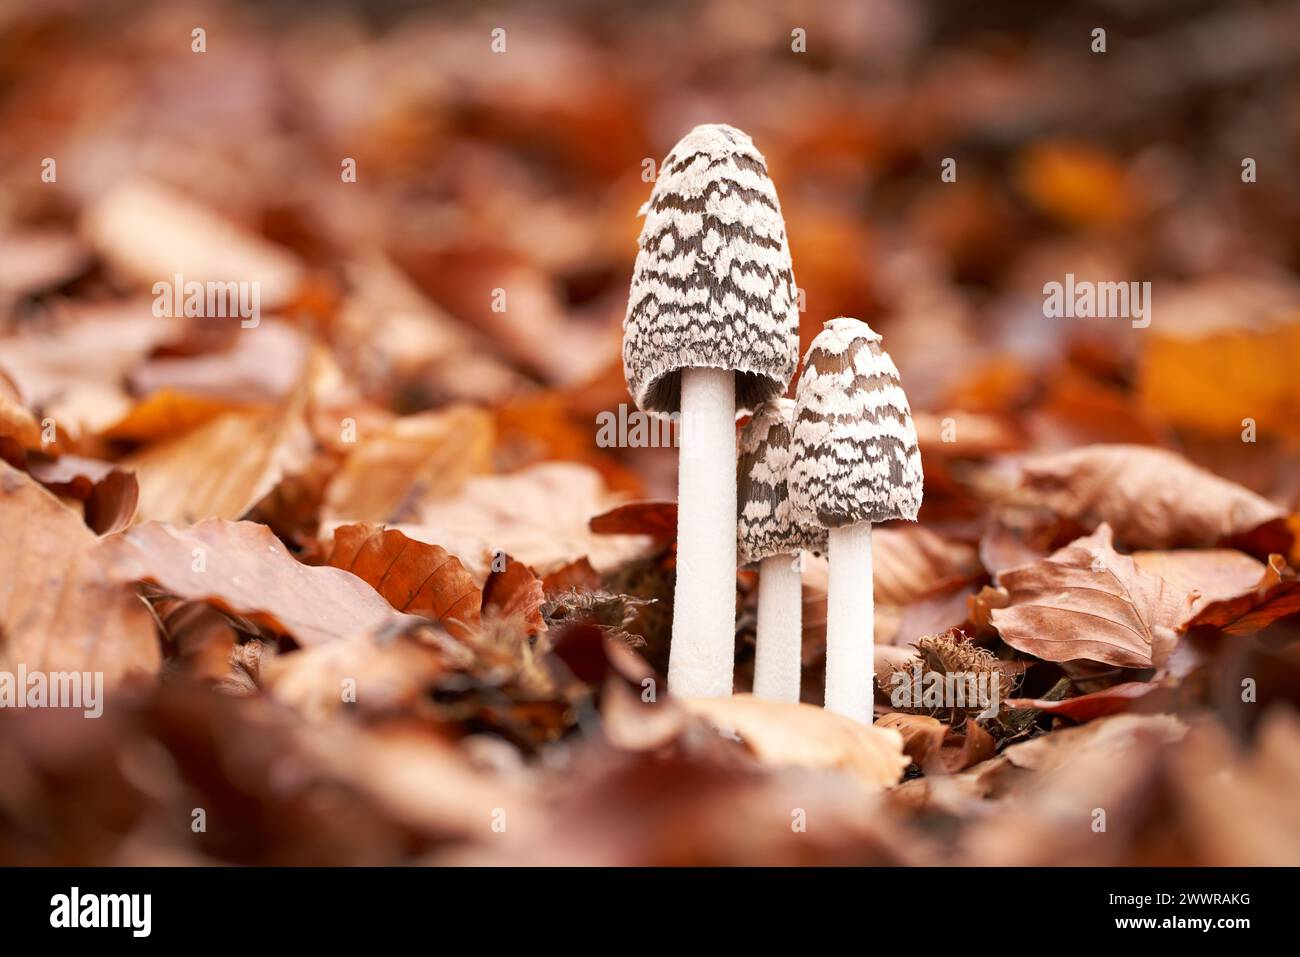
(702, 658)
(778, 660)
(850, 624)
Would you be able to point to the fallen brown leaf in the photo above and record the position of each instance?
(656, 519)
(241, 568)
(539, 515)
(1127, 696)
(390, 476)
(413, 576)
(1275, 595)
(261, 364)
(786, 734)
(221, 469)
(60, 610)
(1211, 575)
(374, 675)
(513, 598)
(150, 233)
(1152, 498)
(1088, 601)
(110, 494)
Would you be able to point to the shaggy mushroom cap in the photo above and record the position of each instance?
(713, 285)
(854, 455)
(766, 523)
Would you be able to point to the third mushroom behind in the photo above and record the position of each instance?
(854, 461)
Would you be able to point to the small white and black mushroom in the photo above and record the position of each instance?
(854, 461)
(712, 325)
(769, 532)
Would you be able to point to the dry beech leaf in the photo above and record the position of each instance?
(1055, 782)
(787, 734)
(922, 735)
(911, 561)
(393, 337)
(221, 469)
(110, 494)
(514, 596)
(75, 373)
(975, 435)
(415, 577)
(1213, 574)
(576, 576)
(203, 640)
(243, 569)
(390, 475)
(1275, 595)
(262, 364)
(1127, 696)
(389, 674)
(962, 751)
(1242, 809)
(1049, 752)
(166, 414)
(1151, 498)
(40, 260)
(631, 724)
(16, 421)
(150, 232)
(1089, 601)
(656, 519)
(424, 781)
(934, 747)
(59, 609)
(1018, 535)
(539, 515)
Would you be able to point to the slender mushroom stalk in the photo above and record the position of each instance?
(711, 327)
(769, 532)
(854, 461)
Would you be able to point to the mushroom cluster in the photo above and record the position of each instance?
(712, 328)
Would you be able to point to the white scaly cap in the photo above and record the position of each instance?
(766, 522)
(713, 286)
(854, 455)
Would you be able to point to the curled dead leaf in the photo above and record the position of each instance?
(1275, 595)
(110, 494)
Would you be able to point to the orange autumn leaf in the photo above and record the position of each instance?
(413, 576)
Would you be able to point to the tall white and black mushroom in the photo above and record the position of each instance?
(712, 325)
(769, 532)
(854, 461)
